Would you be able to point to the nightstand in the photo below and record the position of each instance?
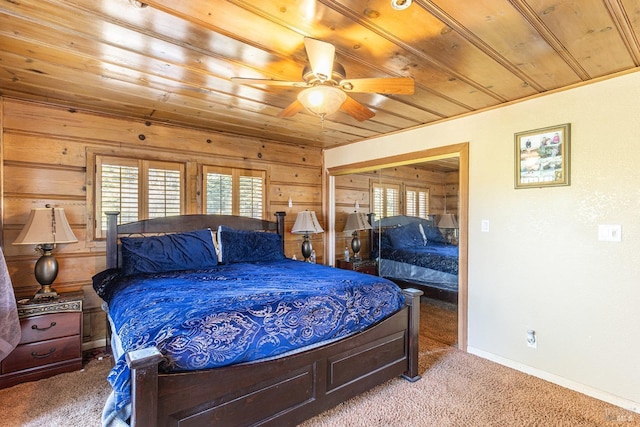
(367, 266)
(51, 340)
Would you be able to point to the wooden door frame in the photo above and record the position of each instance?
(460, 150)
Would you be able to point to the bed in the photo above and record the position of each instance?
(412, 252)
(307, 360)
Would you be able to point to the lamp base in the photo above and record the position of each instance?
(306, 248)
(355, 247)
(45, 293)
(46, 271)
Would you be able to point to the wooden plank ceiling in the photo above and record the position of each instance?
(172, 60)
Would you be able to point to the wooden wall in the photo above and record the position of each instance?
(443, 188)
(44, 161)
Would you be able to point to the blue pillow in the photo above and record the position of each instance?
(406, 236)
(249, 246)
(383, 238)
(103, 281)
(173, 252)
(433, 235)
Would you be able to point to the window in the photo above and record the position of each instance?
(232, 191)
(386, 199)
(138, 189)
(417, 202)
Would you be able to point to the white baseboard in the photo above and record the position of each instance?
(90, 345)
(571, 385)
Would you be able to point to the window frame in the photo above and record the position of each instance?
(385, 186)
(236, 173)
(417, 189)
(144, 165)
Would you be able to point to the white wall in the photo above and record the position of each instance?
(541, 265)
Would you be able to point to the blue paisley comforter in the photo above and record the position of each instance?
(440, 257)
(238, 313)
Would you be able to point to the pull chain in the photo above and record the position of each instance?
(53, 225)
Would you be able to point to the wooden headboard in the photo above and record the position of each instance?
(183, 223)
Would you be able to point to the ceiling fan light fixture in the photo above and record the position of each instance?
(322, 100)
(326, 87)
(400, 4)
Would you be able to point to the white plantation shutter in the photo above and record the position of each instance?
(138, 189)
(232, 191)
(392, 202)
(119, 192)
(423, 206)
(378, 201)
(386, 199)
(411, 202)
(417, 202)
(165, 193)
(219, 194)
(251, 196)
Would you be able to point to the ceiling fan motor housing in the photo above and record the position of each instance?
(337, 75)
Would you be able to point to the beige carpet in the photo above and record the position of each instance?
(456, 389)
(70, 400)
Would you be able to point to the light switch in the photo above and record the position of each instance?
(610, 233)
(484, 227)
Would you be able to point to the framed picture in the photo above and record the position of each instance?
(542, 157)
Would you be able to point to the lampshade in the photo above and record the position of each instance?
(306, 223)
(322, 100)
(448, 221)
(46, 226)
(357, 221)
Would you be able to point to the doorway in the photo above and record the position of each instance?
(461, 151)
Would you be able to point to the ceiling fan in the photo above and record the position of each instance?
(326, 87)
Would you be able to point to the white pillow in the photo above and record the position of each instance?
(217, 242)
(424, 237)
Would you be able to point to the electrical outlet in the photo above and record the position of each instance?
(532, 339)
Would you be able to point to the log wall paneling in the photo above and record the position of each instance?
(47, 149)
(451, 192)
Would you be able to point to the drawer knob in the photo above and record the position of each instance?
(43, 329)
(42, 356)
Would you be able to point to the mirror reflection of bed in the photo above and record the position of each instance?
(414, 251)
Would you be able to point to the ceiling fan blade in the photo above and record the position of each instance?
(292, 109)
(321, 55)
(268, 82)
(384, 85)
(356, 110)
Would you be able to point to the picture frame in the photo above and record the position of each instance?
(542, 157)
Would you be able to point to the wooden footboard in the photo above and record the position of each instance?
(283, 391)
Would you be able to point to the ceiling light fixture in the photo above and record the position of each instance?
(400, 4)
(322, 100)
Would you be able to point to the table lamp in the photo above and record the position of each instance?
(306, 223)
(356, 221)
(45, 228)
(450, 223)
